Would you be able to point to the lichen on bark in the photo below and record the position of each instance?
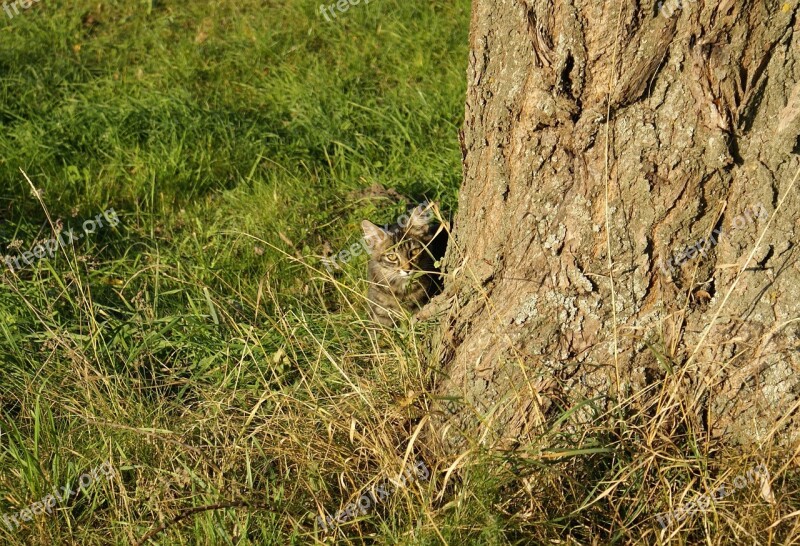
(596, 127)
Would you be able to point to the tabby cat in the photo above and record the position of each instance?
(402, 271)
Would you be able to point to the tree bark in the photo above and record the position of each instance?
(628, 222)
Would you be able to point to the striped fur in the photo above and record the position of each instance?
(401, 271)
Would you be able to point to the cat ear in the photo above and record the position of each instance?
(421, 217)
(374, 236)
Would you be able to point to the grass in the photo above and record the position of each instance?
(235, 385)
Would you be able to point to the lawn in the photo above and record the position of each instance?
(196, 346)
(177, 364)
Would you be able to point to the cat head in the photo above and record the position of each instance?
(399, 253)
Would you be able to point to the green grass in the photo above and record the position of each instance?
(234, 140)
(200, 346)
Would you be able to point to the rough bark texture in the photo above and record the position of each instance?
(596, 128)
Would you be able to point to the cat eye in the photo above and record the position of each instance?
(392, 258)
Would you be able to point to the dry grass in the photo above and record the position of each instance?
(201, 347)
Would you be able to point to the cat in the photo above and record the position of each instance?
(402, 270)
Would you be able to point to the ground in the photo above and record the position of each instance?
(194, 348)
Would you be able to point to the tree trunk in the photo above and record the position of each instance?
(627, 226)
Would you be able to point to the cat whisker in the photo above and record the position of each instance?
(403, 270)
